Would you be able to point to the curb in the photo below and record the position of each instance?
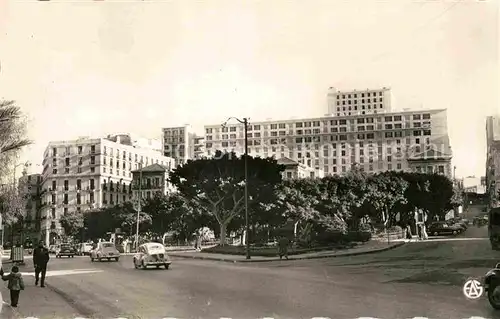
(399, 244)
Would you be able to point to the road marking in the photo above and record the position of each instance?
(473, 289)
(51, 273)
(473, 317)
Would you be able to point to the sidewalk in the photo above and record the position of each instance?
(35, 302)
(368, 248)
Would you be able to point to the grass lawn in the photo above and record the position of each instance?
(270, 251)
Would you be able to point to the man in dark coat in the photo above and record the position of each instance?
(283, 247)
(40, 259)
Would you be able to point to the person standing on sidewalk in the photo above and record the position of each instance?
(40, 260)
(16, 284)
(283, 247)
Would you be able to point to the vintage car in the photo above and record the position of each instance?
(84, 249)
(151, 254)
(443, 228)
(105, 250)
(65, 250)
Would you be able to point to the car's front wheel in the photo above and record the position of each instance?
(494, 295)
(117, 258)
(436, 233)
(167, 266)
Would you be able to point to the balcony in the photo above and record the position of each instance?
(147, 186)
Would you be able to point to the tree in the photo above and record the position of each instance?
(385, 191)
(12, 128)
(72, 223)
(216, 184)
(440, 195)
(187, 217)
(12, 204)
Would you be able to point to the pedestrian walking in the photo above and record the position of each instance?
(40, 260)
(283, 247)
(15, 285)
(409, 235)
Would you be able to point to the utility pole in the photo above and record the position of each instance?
(244, 121)
(138, 208)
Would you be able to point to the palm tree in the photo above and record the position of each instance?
(12, 128)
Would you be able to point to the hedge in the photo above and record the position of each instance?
(270, 251)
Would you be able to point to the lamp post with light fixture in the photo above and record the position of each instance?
(244, 121)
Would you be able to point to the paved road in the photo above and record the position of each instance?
(418, 279)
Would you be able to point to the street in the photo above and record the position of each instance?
(421, 279)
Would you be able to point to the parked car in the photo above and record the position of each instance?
(84, 249)
(105, 250)
(65, 250)
(443, 228)
(457, 223)
(151, 254)
(480, 220)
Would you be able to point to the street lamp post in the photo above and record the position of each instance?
(244, 121)
(138, 208)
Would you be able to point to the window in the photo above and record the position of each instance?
(92, 184)
(65, 201)
(78, 184)
(80, 161)
(80, 149)
(78, 199)
(92, 149)
(53, 213)
(66, 185)
(53, 199)
(67, 162)
(54, 171)
(92, 160)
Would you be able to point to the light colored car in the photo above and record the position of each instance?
(105, 250)
(151, 254)
(53, 249)
(84, 249)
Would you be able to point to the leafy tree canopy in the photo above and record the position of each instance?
(217, 184)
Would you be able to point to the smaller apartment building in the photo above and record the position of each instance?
(90, 173)
(150, 181)
(493, 159)
(295, 169)
(30, 186)
(359, 102)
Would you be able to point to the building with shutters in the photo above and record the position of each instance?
(409, 140)
(89, 173)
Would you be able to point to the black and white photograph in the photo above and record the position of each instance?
(249, 159)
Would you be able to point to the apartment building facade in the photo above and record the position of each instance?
(493, 160)
(359, 102)
(182, 143)
(90, 173)
(30, 187)
(150, 181)
(295, 169)
(414, 140)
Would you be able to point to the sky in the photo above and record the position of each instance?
(89, 68)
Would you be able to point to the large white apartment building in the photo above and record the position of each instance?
(359, 102)
(90, 173)
(401, 140)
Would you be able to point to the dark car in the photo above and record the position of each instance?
(443, 228)
(65, 250)
(457, 223)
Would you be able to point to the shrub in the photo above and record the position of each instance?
(268, 251)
